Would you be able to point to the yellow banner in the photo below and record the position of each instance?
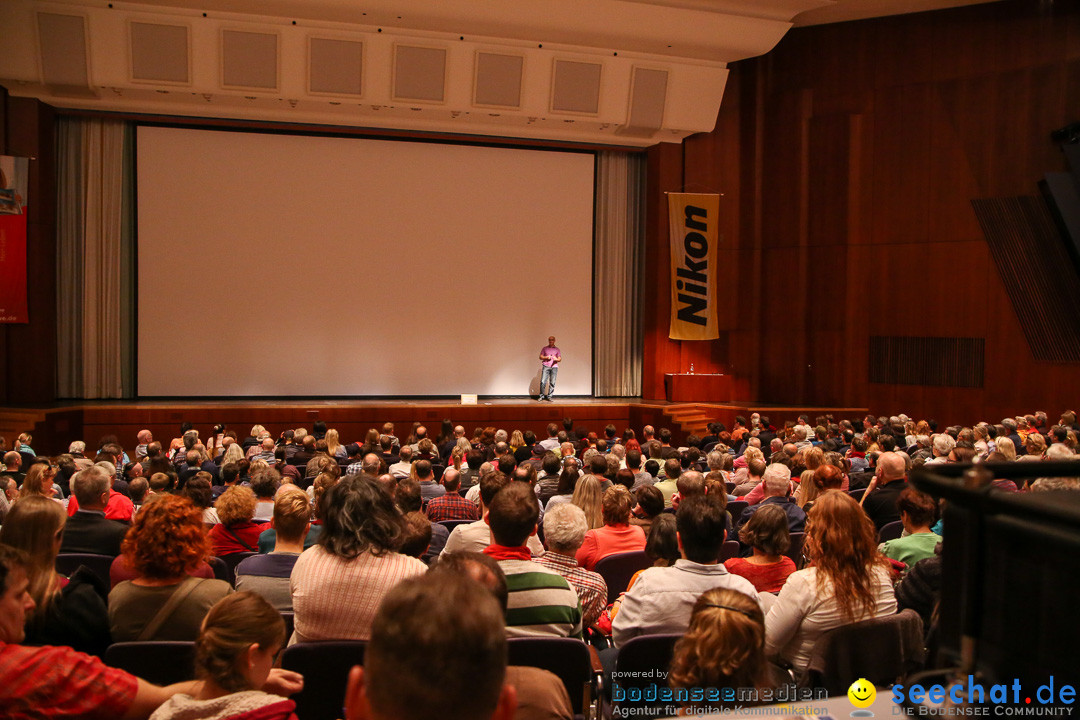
(692, 222)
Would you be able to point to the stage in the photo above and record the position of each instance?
(53, 427)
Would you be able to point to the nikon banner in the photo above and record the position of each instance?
(692, 220)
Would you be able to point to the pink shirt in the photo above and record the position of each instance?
(335, 598)
(609, 540)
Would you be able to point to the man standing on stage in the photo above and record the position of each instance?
(550, 358)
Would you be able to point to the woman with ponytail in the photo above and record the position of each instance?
(237, 648)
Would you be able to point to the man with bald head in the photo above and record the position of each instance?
(448, 447)
(879, 500)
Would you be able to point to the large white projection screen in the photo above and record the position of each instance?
(285, 265)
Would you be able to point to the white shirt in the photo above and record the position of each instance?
(476, 536)
(801, 614)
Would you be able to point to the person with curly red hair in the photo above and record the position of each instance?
(166, 543)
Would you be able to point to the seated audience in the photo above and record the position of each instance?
(663, 597)
(119, 507)
(724, 647)
(236, 649)
(265, 483)
(564, 531)
(767, 534)
(669, 484)
(476, 536)
(588, 495)
(918, 512)
(777, 492)
(617, 535)
(568, 480)
(268, 574)
(847, 581)
(467, 656)
(68, 612)
(200, 492)
(337, 585)
(39, 481)
(166, 544)
(541, 695)
(661, 547)
(649, 505)
(237, 531)
(88, 530)
(423, 540)
(417, 535)
(37, 681)
(451, 505)
(879, 500)
(541, 603)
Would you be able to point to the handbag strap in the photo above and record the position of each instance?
(238, 538)
(181, 593)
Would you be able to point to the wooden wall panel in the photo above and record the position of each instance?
(664, 174)
(914, 117)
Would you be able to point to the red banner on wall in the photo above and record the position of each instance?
(14, 180)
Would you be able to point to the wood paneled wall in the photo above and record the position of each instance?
(28, 351)
(853, 153)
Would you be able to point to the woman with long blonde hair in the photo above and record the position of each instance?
(334, 448)
(724, 647)
(847, 580)
(589, 497)
(67, 612)
(39, 481)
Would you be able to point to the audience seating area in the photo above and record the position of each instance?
(883, 648)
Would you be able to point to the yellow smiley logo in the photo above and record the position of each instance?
(862, 693)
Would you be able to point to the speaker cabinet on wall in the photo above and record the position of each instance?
(576, 88)
(249, 59)
(335, 66)
(419, 73)
(498, 80)
(159, 53)
(647, 97)
(63, 46)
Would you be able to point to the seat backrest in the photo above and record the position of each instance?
(795, 547)
(325, 667)
(881, 650)
(68, 563)
(729, 550)
(857, 494)
(221, 570)
(567, 658)
(617, 570)
(736, 508)
(231, 560)
(642, 661)
(162, 662)
(890, 531)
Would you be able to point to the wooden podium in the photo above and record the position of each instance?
(698, 387)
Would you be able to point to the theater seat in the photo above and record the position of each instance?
(325, 667)
(882, 650)
(617, 570)
(565, 657)
(162, 662)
